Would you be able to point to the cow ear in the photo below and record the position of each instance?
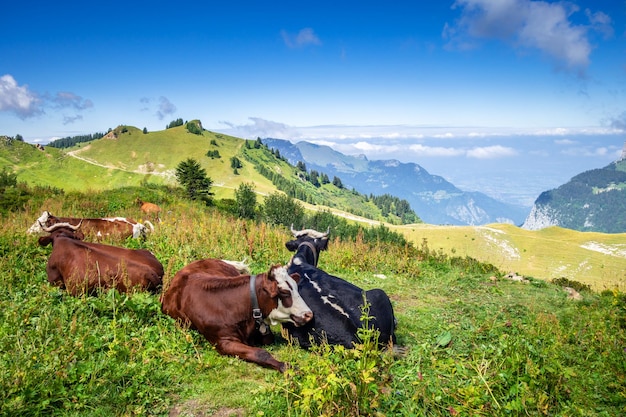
(271, 286)
(270, 283)
(295, 276)
(292, 245)
(45, 240)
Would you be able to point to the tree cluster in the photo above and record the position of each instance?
(13, 195)
(175, 123)
(70, 141)
(392, 205)
(194, 127)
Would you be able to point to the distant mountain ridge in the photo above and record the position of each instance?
(435, 200)
(593, 201)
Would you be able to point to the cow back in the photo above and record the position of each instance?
(214, 305)
(337, 307)
(84, 267)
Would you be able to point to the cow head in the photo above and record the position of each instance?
(43, 219)
(58, 230)
(283, 288)
(316, 241)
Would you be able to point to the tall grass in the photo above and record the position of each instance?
(477, 344)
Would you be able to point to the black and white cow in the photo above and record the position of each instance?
(336, 303)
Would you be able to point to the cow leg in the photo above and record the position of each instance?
(249, 353)
(55, 277)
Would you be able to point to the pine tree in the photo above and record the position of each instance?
(194, 179)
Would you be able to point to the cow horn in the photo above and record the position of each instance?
(60, 225)
(310, 232)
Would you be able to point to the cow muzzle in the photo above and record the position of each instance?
(303, 319)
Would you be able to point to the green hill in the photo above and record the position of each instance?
(596, 259)
(593, 201)
(128, 157)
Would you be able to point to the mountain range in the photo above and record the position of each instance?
(433, 198)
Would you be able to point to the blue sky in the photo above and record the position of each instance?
(476, 86)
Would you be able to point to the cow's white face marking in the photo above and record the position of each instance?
(36, 227)
(326, 298)
(298, 308)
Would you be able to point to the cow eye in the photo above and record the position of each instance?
(284, 294)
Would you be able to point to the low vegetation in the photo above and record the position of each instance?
(477, 344)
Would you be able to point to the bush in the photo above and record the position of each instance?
(280, 209)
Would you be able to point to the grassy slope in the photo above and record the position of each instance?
(157, 154)
(546, 254)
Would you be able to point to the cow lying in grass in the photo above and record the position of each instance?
(233, 311)
(337, 304)
(97, 228)
(81, 267)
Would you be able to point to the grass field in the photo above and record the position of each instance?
(477, 346)
(596, 259)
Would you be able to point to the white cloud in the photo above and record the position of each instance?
(421, 150)
(593, 152)
(258, 127)
(66, 99)
(564, 142)
(261, 128)
(375, 148)
(25, 103)
(304, 37)
(490, 152)
(166, 108)
(18, 99)
(527, 24)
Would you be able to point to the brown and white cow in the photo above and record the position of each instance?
(82, 267)
(97, 228)
(232, 311)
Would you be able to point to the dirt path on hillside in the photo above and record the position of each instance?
(74, 154)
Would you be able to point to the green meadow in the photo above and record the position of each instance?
(477, 344)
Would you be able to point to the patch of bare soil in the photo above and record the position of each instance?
(193, 408)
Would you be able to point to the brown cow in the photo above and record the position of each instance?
(149, 208)
(83, 267)
(97, 228)
(232, 311)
